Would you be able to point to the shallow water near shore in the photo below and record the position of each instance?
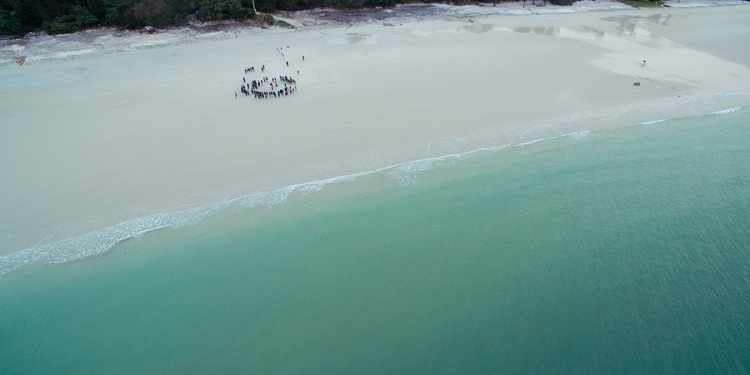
(622, 250)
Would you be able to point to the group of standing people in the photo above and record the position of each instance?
(279, 87)
(254, 87)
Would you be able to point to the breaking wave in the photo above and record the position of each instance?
(101, 241)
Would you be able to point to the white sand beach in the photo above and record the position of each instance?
(111, 135)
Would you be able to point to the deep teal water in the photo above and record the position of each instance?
(621, 251)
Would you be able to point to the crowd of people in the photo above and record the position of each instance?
(265, 88)
(256, 87)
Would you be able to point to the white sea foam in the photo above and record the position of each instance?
(726, 111)
(101, 241)
(647, 123)
(574, 135)
(579, 135)
(406, 172)
(531, 142)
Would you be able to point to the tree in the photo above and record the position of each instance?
(9, 24)
(287, 5)
(77, 17)
(219, 9)
(145, 12)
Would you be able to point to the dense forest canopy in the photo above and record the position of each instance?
(18, 17)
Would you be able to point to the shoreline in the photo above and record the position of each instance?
(100, 242)
(153, 145)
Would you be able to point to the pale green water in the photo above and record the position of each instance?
(623, 251)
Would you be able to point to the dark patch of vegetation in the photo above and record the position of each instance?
(63, 16)
(18, 17)
(284, 24)
(644, 3)
(562, 2)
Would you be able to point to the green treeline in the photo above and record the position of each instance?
(18, 17)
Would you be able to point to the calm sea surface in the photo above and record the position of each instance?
(618, 251)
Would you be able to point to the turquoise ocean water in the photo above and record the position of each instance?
(617, 251)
